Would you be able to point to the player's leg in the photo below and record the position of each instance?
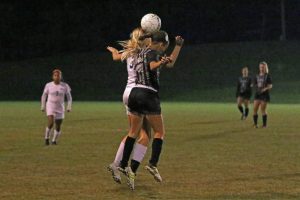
(246, 104)
(57, 130)
(264, 113)
(113, 167)
(256, 105)
(240, 106)
(140, 148)
(136, 122)
(49, 128)
(156, 122)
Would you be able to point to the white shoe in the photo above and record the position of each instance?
(130, 177)
(114, 172)
(154, 172)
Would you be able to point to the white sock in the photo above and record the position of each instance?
(119, 154)
(47, 133)
(139, 152)
(55, 136)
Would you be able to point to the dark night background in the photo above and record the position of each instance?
(221, 36)
(43, 28)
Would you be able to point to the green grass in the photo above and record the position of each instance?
(208, 154)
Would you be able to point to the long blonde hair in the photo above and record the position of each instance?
(266, 66)
(134, 44)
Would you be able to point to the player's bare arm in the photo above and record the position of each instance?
(269, 87)
(163, 62)
(115, 53)
(174, 55)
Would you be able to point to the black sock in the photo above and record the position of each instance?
(265, 117)
(241, 109)
(246, 112)
(129, 143)
(134, 165)
(255, 117)
(156, 150)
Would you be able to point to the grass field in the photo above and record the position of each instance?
(208, 154)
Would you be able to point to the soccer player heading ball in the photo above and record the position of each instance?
(136, 52)
(53, 103)
(144, 100)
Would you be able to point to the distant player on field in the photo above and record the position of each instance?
(262, 84)
(52, 101)
(243, 92)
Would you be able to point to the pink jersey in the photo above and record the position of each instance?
(55, 96)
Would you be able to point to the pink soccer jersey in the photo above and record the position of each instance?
(55, 97)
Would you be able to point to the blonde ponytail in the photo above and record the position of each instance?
(134, 44)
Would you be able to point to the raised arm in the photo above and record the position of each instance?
(44, 98)
(116, 55)
(174, 55)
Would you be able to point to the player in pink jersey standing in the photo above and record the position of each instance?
(53, 100)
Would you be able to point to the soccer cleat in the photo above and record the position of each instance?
(47, 142)
(114, 172)
(53, 143)
(255, 126)
(264, 126)
(154, 172)
(130, 175)
(122, 170)
(243, 117)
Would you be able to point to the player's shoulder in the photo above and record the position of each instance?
(64, 84)
(152, 54)
(49, 84)
(152, 51)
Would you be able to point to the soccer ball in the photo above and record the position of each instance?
(151, 23)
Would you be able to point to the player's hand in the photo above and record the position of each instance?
(165, 60)
(112, 49)
(179, 41)
(264, 89)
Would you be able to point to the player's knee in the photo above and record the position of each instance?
(132, 134)
(50, 125)
(144, 140)
(263, 112)
(159, 135)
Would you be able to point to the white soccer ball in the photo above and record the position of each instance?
(151, 23)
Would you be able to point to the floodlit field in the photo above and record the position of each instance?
(208, 154)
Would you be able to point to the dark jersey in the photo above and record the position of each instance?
(262, 81)
(244, 85)
(146, 76)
